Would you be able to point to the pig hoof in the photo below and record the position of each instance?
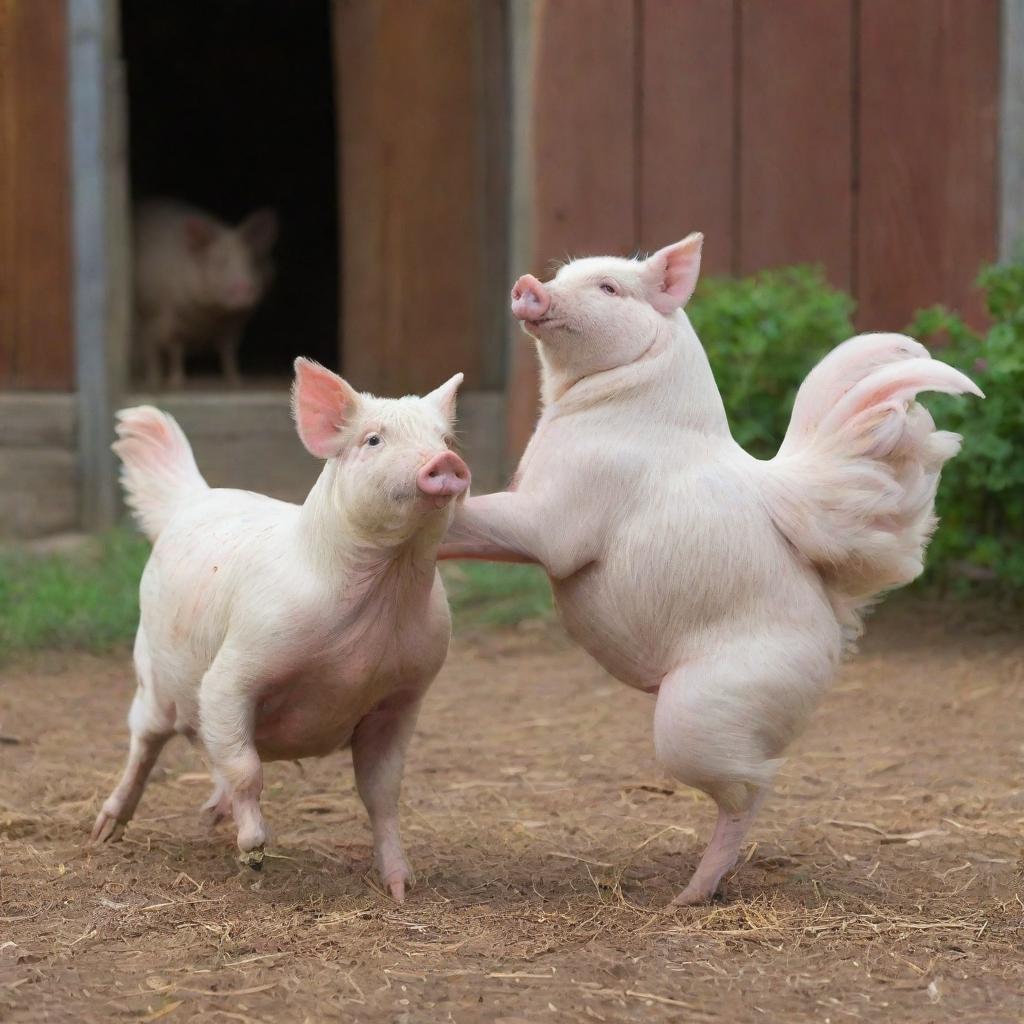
(108, 829)
(396, 884)
(693, 897)
(253, 858)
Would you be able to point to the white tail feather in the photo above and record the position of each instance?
(158, 469)
(853, 486)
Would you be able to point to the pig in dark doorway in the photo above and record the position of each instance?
(231, 107)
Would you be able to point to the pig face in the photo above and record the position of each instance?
(603, 312)
(234, 263)
(392, 468)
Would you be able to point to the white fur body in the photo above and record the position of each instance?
(237, 575)
(726, 585)
(270, 630)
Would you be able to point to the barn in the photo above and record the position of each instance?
(420, 153)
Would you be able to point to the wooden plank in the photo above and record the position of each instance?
(583, 174)
(796, 100)
(928, 214)
(494, 144)
(1011, 131)
(32, 420)
(412, 272)
(38, 491)
(35, 235)
(687, 143)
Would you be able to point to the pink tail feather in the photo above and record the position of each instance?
(158, 469)
(853, 486)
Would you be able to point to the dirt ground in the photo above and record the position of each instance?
(883, 880)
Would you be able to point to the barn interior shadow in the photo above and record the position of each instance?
(231, 106)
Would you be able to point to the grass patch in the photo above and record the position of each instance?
(88, 600)
(496, 594)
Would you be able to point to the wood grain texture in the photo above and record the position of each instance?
(411, 179)
(687, 172)
(796, 168)
(584, 167)
(928, 214)
(35, 229)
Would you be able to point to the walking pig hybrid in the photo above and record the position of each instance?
(277, 631)
(723, 584)
(197, 282)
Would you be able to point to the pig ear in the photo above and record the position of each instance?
(444, 396)
(673, 272)
(199, 232)
(259, 230)
(322, 403)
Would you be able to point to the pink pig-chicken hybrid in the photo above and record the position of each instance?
(277, 631)
(726, 586)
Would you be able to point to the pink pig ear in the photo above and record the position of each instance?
(321, 403)
(199, 232)
(259, 230)
(444, 396)
(673, 273)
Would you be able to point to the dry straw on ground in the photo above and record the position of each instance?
(883, 882)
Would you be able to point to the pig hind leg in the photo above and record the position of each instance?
(218, 807)
(150, 730)
(721, 725)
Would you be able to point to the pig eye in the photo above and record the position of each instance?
(608, 288)
(374, 440)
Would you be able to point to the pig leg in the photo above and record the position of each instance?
(722, 853)
(378, 756)
(229, 359)
(218, 807)
(721, 724)
(511, 527)
(149, 733)
(227, 715)
(495, 528)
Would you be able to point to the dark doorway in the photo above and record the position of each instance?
(230, 108)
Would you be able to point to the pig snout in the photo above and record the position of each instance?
(241, 294)
(530, 300)
(444, 477)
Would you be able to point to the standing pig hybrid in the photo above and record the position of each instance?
(725, 585)
(197, 282)
(277, 631)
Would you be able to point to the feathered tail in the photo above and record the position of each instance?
(853, 486)
(158, 469)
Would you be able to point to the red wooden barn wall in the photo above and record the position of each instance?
(35, 212)
(860, 134)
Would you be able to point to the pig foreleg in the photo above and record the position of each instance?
(378, 756)
(227, 716)
(511, 527)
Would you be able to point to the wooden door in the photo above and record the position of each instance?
(421, 123)
(36, 346)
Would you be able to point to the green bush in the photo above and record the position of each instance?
(981, 498)
(762, 335)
